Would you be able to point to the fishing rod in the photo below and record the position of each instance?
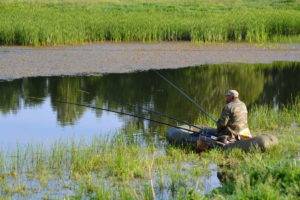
(187, 96)
(167, 116)
(161, 114)
(119, 112)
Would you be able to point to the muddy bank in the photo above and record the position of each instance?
(17, 62)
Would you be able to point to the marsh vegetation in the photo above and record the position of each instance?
(135, 162)
(51, 22)
(132, 167)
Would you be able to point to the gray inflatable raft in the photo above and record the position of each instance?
(200, 142)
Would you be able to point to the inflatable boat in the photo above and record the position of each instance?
(203, 139)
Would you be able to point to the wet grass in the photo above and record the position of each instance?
(133, 165)
(270, 175)
(118, 168)
(69, 22)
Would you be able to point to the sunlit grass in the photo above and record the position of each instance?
(126, 168)
(71, 22)
(270, 175)
(118, 168)
(132, 165)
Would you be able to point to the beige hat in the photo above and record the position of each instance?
(233, 93)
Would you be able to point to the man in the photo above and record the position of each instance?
(232, 124)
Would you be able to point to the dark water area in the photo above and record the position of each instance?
(44, 120)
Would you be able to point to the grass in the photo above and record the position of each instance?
(267, 118)
(71, 22)
(131, 166)
(118, 169)
(271, 175)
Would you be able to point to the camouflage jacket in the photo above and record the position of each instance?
(233, 118)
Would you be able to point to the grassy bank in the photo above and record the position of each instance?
(68, 22)
(136, 165)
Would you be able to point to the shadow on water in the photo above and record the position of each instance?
(271, 84)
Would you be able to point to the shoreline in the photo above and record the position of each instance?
(107, 57)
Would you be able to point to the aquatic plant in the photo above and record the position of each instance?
(70, 22)
(126, 168)
(257, 175)
(122, 165)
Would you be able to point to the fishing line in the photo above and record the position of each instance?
(119, 112)
(187, 96)
(161, 114)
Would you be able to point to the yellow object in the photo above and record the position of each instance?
(245, 134)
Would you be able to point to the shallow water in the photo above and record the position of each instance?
(107, 57)
(44, 120)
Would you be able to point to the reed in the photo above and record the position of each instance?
(118, 169)
(132, 166)
(270, 175)
(72, 22)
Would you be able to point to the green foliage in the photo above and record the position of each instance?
(70, 22)
(274, 174)
(271, 178)
(267, 118)
(120, 168)
(114, 168)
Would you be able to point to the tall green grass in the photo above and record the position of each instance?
(125, 168)
(271, 175)
(118, 168)
(69, 22)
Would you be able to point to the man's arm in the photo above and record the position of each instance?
(224, 118)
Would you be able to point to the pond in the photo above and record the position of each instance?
(44, 120)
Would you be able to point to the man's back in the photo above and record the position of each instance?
(234, 116)
(239, 113)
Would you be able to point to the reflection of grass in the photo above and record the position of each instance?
(131, 167)
(56, 22)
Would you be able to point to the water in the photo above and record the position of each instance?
(25, 120)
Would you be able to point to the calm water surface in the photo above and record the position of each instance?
(25, 120)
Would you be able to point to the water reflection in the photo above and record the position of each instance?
(275, 84)
(38, 125)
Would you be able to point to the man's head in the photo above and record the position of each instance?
(231, 95)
